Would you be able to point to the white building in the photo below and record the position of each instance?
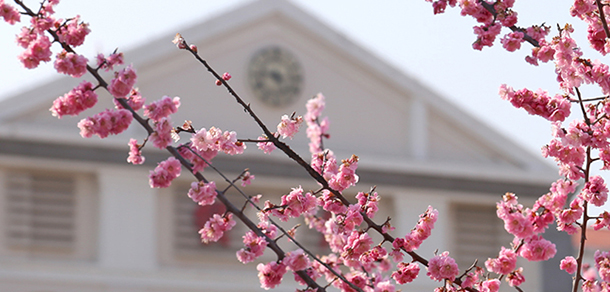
(77, 217)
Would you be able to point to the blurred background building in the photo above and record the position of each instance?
(77, 217)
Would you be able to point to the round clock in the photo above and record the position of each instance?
(275, 76)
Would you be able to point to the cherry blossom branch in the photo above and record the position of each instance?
(286, 233)
(602, 17)
(173, 151)
(239, 214)
(300, 161)
(514, 28)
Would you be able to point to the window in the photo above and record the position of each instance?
(47, 215)
(479, 234)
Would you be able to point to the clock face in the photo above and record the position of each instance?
(275, 76)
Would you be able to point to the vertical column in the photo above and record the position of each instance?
(127, 219)
(418, 129)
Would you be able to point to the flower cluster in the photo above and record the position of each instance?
(162, 108)
(71, 64)
(123, 82)
(215, 227)
(289, 126)
(216, 140)
(135, 152)
(421, 232)
(442, 267)
(108, 122)
(203, 193)
(165, 172)
(555, 108)
(80, 98)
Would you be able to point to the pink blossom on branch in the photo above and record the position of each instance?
(73, 33)
(595, 191)
(505, 263)
(270, 275)
(215, 227)
(9, 13)
(165, 172)
(512, 41)
(569, 265)
(37, 51)
(123, 82)
(254, 247)
(162, 108)
(405, 273)
(135, 153)
(537, 249)
(442, 267)
(108, 63)
(203, 193)
(71, 64)
(108, 122)
(289, 126)
(80, 98)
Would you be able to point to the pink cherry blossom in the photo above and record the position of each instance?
(247, 178)
(595, 191)
(569, 265)
(37, 51)
(296, 260)
(71, 64)
(516, 278)
(80, 98)
(266, 147)
(602, 263)
(346, 176)
(73, 33)
(538, 249)
(226, 76)
(9, 13)
(164, 173)
(512, 41)
(297, 203)
(602, 221)
(108, 63)
(555, 108)
(134, 100)
(357, 244)
(203, 193)
(179, 41)
(25, 37)
(270, 275)
(108, 122)
(289, 126)
(442, 267)
(504, 263)
(405, 273)
(123, 82)
(135, 153)
(162, 136)
(492, 285)
(215, 227)
(254, 247)
(162, 108)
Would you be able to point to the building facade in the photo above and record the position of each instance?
(77, 217)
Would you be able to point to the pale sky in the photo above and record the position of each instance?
(436, 50)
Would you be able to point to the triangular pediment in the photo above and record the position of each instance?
(376, 112)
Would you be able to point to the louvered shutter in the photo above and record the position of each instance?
(479, 234)
(40, 213)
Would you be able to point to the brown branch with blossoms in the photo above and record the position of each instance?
(572, 147)
(120, 87)
(317, 176)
